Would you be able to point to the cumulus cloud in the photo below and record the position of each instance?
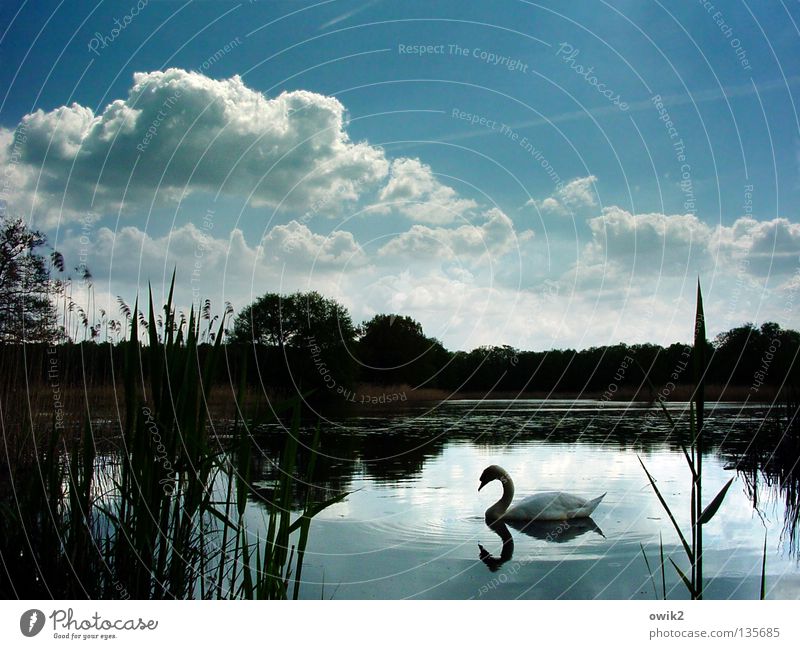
(648, 242)
(681, 244)
(295, 244)
(577, 193)
(129, 255)
(494, 237)
(414, 191)
(179, 132)
(769, 247)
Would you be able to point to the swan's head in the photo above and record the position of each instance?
(490, 473)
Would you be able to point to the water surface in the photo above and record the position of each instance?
(414, 528)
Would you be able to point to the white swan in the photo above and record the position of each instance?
(546, 506)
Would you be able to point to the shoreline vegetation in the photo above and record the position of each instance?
(130, 445)
(105, 402)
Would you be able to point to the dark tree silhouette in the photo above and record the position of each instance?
(304, 338)
(393, 349)
(293, 321)
(27, 290)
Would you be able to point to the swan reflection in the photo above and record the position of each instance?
(557, 531)
(550, 531)
(507, 551)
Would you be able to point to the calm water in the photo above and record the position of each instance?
(414, 527)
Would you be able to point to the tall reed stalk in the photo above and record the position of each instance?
(167, 518)
(698, 515)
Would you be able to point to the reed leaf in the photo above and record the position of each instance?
(714, 505)
(650, 572)
(684, 578)
(664, 504)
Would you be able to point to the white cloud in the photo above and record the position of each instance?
(648, 243)
(769, 247)
(296, 245)
(549, 204)
(414, 190)
(576, 194)
(682, 244)
(579, 192)
(193, 133)
(494, 237)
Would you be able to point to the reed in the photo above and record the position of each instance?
(165, 516)
(698, 515)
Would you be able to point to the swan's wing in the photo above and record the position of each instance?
(552, 506)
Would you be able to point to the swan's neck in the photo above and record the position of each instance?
(500, 507)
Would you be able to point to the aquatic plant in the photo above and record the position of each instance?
(164, 517)
(699, 515)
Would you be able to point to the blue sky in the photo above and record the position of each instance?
(503, 172)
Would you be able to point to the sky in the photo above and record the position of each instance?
(542, 175)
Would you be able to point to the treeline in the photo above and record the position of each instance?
(307, 343)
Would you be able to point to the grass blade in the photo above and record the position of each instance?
(714, 505)
(685, 579)
(647, 563)
(663, 502)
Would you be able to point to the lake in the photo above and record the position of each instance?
(414, 527)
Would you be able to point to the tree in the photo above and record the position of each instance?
(295, 320)
(393, 349)
(304, 338)
(265, 322)
(27, 291)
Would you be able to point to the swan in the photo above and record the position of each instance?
(546, 506)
